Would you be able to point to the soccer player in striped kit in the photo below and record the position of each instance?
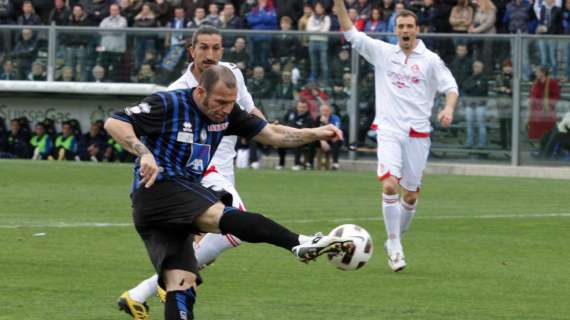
(407, 78)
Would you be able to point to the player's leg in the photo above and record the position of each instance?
(256, 228)
(389, 171)
(180, 294)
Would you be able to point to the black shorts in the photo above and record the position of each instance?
(164, 217)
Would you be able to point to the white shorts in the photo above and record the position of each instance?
(215, 180)
(402, 157)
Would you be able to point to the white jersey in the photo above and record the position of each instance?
(405, 87)
(223, 158)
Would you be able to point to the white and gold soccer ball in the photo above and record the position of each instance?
(361, 252)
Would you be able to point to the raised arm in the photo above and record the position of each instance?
(343, 18)
(289, 137)
(124, 133)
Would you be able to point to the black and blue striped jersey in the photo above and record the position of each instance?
(182, 139)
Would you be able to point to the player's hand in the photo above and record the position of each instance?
(445, 117)
(329, 132)
(148, 170)
(325, 146)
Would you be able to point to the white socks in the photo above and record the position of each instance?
(207, 250)
(144, 290)
(391, 212)
(212, 245)
(408, 212)
(304, 239)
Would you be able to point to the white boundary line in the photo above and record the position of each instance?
(302, 221)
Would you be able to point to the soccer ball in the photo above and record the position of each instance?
(359, 255)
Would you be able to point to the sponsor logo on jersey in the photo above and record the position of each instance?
(218, 126)
(415, 68)
(185, 137)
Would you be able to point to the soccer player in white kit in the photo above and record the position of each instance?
(206, 50)
(407, 78)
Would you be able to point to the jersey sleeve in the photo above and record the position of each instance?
(147, 117)
(244, 124)
(244, 98)
(443, 78)
(371, 49)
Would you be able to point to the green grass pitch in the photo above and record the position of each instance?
(480, 248)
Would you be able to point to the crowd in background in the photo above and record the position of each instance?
(314, 68)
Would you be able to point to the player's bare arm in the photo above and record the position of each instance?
(445, 116)
(255, 111)
(124, 134)
(343, 18)
(288, 137)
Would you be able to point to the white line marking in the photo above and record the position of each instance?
(302, 221)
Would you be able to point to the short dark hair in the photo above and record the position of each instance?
(407, 13)
(204, 29)
(213, 74)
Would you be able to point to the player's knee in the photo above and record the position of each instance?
(209, 221)
(390, 186)
(410, 197)
(179, 280)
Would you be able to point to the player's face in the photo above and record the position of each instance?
(218, 103)
(407, 30)
(207, 52)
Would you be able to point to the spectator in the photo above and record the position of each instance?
(18, 141)
(146, 74)
(98, 74)
(299, 117)
(341, 65)
(6, 12)
(566, 31)
(60, 14)
(517, 18)
(476, 89)
(504, 91)
(284, 90)
(24, 54)
(179, 21)
(392, 22)
(3, 137)
(114, 151)
(41, 143)
(358, 22)
(163, 10)
(230, 22)
(549, 23)
(290, 8)
(99, 11)
(314, 96)
(259, 86)
(238, 54)
(8, 72)
(213, 18)
(544, 94)
(461, 17)
(93, 144)
(557, 138)
(388, 8)
(29, 16)
(461, 65)
(198, 18)
(302, 26)
(128, 11)
(191, 5)
(434, 17)
(325, 149)
(66, 143)
(145, 19)
(114, 44)
(375, 22)
(38, 72)
(285, 46)
(66, 74)
(318, 44)
(363, 8)
(484, 23)
(261, 17)
(76, 44)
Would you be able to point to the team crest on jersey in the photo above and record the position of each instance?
(187, 127)
(218, 126)
(203, 135)
(415, 68)
(143, 107)
(199, 158)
